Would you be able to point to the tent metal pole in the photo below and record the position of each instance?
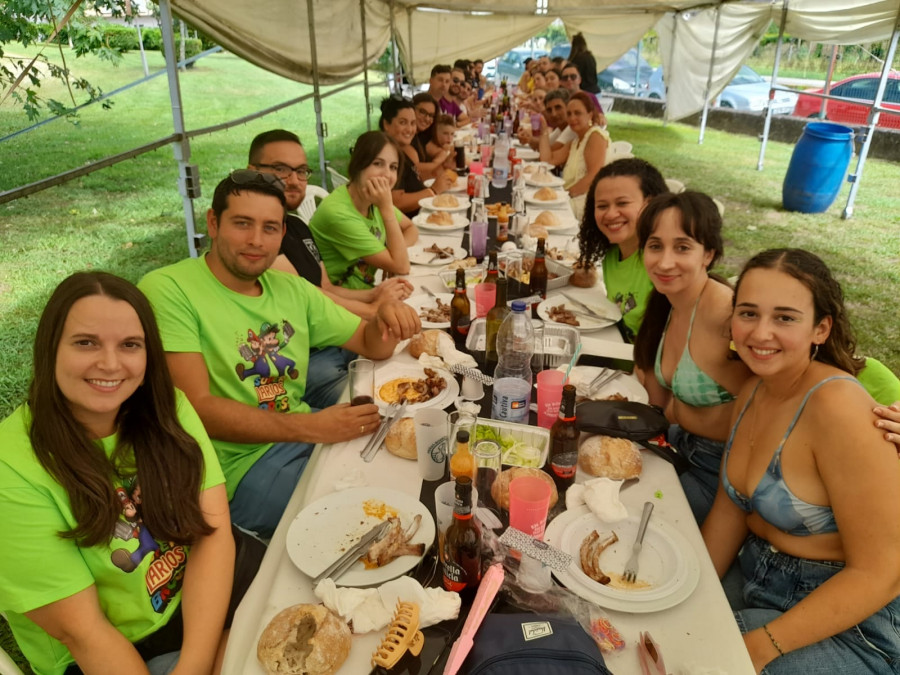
(670, 62)
(828, 78)
(365, 64)
(395, 57)
(712, 63)
(637, 68)
(767, 125)
(874, 115)
(317, 98)
(188, 175)
(410, 70)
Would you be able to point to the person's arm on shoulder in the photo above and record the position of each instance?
(376, 339)
(80, 624)
(889, 422)
(594, 157)
(207, 586)
(861, 475)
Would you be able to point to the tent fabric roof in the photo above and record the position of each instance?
(278, 38)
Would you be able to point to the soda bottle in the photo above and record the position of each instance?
(461, 566)
(459, 310)
(564, 442)
(493, 320)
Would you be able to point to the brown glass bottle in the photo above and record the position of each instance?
(459, 310)
(461, 566)
(493, 271)
(564, 442)
(538, 279)
(493, 320)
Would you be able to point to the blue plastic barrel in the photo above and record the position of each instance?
(817, 167)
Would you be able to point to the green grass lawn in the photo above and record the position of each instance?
(128, 219)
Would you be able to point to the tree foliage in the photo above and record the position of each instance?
(19, 23)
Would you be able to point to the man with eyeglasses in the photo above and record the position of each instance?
(280, 153)
(237, 336)
(571, 80)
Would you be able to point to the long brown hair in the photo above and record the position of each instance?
(167, 460)
(828, 300)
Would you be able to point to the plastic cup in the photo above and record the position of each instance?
(529, 502)
(478, 239)
(549, 396)
(361, 376)
(535, 123)
(431, 442)
(485, 297)
(485, 154)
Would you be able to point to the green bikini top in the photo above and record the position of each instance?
(689, 383)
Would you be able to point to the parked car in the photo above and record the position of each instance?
(748, 90)
(860, 88)
(512, 64)
(618, 77)
(560, 50)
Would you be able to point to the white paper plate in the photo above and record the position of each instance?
(324, 530)
(461, 184)
(417, 302)
(460, 222)
(668, 562)
(392, 372)
(420, 257)
(525, 153)
(625, 384)
(561, 198)
(427, 203)
(568, 224)
(586, 324)
(552, 181)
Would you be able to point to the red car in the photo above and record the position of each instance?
(862, 88)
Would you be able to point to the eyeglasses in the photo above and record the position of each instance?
(251, 177)
(457, 81)
(425, 113)
(570, 76)
(283, 171)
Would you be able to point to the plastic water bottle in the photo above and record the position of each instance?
(516, 333)
(501, 161)
(512, 388)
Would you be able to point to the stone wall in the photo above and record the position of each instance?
(885, 144)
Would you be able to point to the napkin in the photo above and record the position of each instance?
(371, 609)
(601, 496)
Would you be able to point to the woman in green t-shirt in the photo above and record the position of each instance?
(617, 195)
(117, 539)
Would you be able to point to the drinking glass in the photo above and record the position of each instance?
(458, 421)
(361, 376)
(537, 357)
(487, 467)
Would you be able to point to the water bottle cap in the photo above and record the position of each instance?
(518, 306)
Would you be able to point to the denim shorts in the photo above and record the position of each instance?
(774, 582)
(701, 480)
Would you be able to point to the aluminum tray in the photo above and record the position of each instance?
(559, 342)
(510, 432)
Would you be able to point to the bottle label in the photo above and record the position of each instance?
(462, 326)
(454, 576)
(563, 471)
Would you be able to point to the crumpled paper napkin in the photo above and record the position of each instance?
(371, 609)
(601, 496)
(449, 355)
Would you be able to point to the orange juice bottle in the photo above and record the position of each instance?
(462, 463)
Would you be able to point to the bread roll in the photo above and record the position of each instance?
(537, 231)
(547, 219)
(546, 194)
(401, 438)
(446, 201)
(304, 640)
(500, 488)
(426, 342)
(583, 278)
(608, 457)
(439, 218)
(451, 176)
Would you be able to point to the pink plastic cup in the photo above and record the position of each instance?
(485, 154)
(549, 396)
(485, 297)
(529, 502)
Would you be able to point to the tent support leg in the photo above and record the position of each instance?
(188, 176)
(317, 98)
(767, 125)
(671, 61)
(395, 56)
(874, 114)
(712, 63)
(823, 113)
(365, 66)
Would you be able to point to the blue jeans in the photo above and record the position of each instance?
(701, 481)
(326, 376)
(265, 490)
(775, 582)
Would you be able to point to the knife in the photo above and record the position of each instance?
(342, 564)
(369, 453)
(584, 308)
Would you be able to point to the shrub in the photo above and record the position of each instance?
(120, 38)
(152, 39)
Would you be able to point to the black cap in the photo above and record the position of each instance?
(462, 436)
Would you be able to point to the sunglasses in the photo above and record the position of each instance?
(251, 177)
(570, 76)
(283, 171)
(457, 81)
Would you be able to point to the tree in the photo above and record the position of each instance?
(26, 22)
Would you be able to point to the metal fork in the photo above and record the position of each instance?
(631, 567)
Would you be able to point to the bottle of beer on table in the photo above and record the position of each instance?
(538, 279)
(564, 443)
(461, 566)
(459, 310)
(462, 463)
(493, 320)
(493, 270)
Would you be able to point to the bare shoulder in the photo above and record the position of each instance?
(840, 410)
(716, 304)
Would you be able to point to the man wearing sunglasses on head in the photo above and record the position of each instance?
(237, 336)
(280, 153)
(571, 80)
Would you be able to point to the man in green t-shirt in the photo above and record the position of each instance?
(237, 338)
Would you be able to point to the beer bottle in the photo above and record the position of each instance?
(461, 566)
(493, 320)
(459, 310)
(564, 442)
(493, 271)
(538, 280)
(462, 463)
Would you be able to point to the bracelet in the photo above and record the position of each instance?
(773, 640)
